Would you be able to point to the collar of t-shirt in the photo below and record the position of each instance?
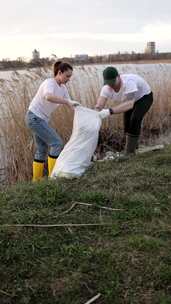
(128, 89)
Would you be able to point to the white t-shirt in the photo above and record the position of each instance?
(42, 107)
(133, 87)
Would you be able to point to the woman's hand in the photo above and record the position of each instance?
(74, 103)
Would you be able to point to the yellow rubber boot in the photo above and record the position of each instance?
(38, 167)
(51, 164)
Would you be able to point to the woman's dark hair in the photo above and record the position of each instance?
(61, 66)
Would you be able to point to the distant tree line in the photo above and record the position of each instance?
(20, 63)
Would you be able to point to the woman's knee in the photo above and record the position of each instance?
(56, 148)
(41, 151)
(40, 155)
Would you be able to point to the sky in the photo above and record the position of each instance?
(93, 27)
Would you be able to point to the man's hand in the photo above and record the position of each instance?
(97, 108)
(100, 103)
(104, 113)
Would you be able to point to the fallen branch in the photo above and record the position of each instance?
(68, 210)
(53, 225)
(168, 228)
(89, 205)
(150, 148)
(93, 299)
(100, 207)
(5, 293)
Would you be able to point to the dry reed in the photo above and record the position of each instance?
(16, 143)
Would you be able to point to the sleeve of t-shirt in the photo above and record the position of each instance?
(48, 88)
(105, 92)
(131, 89)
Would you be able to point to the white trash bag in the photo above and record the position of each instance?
(76, 156)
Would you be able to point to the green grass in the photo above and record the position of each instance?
(126, 261)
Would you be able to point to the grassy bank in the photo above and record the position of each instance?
(127, 258)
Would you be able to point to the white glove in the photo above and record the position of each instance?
(74, 103)
(104, 113)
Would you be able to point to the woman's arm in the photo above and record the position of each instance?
(56, 99)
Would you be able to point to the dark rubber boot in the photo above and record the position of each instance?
(130, 148)
(131, 144)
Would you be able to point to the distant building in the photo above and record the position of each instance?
(81, 57)
(150, 48)
(53, 57)
(105, 58)
(36, 55)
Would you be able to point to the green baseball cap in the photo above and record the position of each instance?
(109, 75)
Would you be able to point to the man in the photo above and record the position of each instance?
(136, 98)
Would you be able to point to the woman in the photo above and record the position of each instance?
(51, 93)
(136, 98)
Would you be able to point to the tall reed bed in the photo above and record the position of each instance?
(16, 142)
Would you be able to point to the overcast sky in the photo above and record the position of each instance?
(70, 27)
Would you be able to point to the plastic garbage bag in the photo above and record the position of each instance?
(76, 156)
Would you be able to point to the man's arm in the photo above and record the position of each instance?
(100, 103)
(124, 107)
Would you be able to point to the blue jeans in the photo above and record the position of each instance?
(46, 138)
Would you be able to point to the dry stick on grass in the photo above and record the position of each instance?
(68, 210)
(101, 207)
(5, 293)
(89, 205)
(53, 225)
(94, 298)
